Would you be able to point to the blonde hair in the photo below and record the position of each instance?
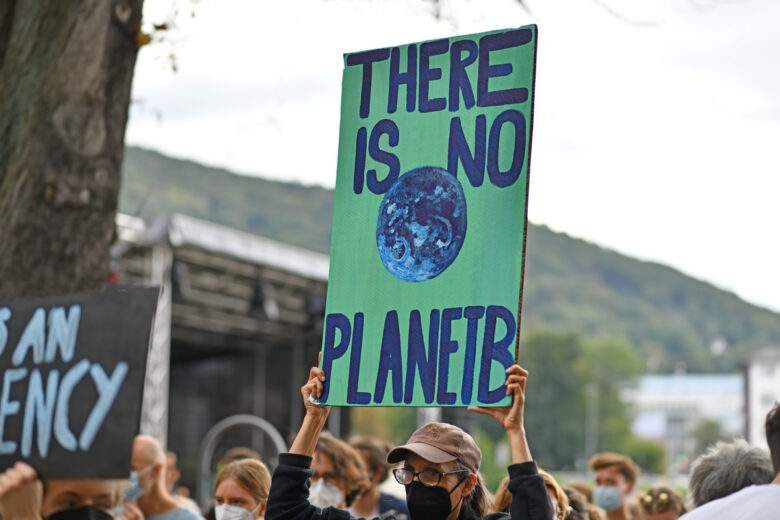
(661, 499)
(557, 491)
(503, 498)
(252, 475)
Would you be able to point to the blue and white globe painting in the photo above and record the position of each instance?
(421, 224)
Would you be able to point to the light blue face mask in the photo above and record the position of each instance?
(136, 490)
(607, 498)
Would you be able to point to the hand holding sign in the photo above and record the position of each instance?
(20, 492)
(312, 391)
(316, 414)
(511, 417)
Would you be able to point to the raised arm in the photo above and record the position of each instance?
(288, 498)
(529, 495)
(316, 415)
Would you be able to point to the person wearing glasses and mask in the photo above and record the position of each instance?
(439, 466)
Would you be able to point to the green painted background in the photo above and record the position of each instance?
(488, 269)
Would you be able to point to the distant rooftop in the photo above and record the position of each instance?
(768, 354)
(184, 230)
(690, 384)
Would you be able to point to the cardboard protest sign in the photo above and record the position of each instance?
(71, 381)
(428, 238)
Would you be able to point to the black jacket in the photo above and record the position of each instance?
(289, 495)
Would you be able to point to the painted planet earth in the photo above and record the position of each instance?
(421, 224)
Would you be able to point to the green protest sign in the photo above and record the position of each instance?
(428, 237)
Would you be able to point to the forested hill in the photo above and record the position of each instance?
(571, 285)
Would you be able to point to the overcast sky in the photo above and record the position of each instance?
(657, 135)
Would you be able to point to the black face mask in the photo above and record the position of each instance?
(429, 503)
(82, 513)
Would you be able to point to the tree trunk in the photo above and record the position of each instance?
(66, 68)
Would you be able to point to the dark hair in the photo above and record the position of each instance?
(374, 451)
(661, 499)
(347, 463)
(624, 465)
(479, 501)
(578, 505)
(773, 436)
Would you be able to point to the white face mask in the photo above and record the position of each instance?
(228, 512)
(323, 494)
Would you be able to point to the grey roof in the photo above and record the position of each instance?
(184, 230)
(768, 354)
(690, 384)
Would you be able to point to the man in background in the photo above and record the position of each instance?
(616, 477)
(150, 484)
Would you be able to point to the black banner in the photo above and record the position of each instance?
(71, 381)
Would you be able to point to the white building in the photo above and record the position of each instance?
(667, 408)
(762, 391)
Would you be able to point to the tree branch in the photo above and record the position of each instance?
(620, 16)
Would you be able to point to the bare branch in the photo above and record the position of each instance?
(524, 5)
(620, 16)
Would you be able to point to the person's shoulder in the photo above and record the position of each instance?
(183, 513)
(497, 516)
(388, 501)
(741, 504)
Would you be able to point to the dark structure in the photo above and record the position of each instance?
(239, 323)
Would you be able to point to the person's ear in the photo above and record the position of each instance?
(469, 485)
(261, 509)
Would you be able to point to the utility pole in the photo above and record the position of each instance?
(591, 419)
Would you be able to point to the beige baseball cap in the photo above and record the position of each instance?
(438, 443)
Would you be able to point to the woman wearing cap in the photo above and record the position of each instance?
(438, 466)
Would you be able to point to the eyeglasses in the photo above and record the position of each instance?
(427, 477)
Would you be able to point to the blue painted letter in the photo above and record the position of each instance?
(495, 350)
(425, 365)
(390, 360)
(63, 332)
(33, 337)
(61, 427)
(447, 346)
(8, 407)
(107, 391)
(39, 412)
(331, 351)
(355, 396)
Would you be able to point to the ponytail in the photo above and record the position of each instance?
(480, 501)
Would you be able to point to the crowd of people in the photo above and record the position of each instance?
(326, 478)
